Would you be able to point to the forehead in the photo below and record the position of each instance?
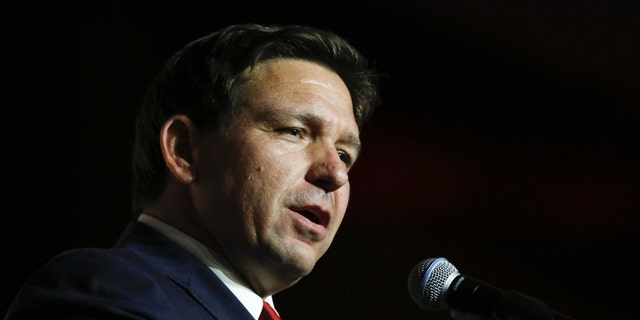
(296, 79)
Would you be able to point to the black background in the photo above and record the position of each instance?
(508, 142)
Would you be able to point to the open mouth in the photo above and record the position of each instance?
(310, 215)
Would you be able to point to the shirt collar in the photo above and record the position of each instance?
(218, 264)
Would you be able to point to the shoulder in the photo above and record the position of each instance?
(95, 281)
(95, 259)
(95, 271)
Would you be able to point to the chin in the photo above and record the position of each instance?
(299, 267)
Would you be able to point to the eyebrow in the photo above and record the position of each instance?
(274, 115)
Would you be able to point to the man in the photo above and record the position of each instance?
(243, 148)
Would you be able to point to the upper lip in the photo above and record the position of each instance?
(315, 213)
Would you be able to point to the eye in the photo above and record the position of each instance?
(345, 157)
(295, 132)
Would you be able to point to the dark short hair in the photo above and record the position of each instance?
(200, 79)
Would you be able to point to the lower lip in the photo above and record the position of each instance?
(313, 230)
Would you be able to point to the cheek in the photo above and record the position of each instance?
(274, 167)
(261, 178)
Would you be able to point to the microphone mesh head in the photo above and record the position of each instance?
(429, 281)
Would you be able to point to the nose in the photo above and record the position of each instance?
(327, 170)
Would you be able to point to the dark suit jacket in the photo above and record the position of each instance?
(144, 276)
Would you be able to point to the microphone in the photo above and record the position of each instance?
(435, 284)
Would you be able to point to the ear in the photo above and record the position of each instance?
(178, 140)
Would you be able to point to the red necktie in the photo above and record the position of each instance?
(268, 313)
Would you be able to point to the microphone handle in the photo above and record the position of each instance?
(468, 295)
(517, 306)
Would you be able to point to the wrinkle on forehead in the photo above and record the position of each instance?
(274, 65)
(319, 83)
(270, 76)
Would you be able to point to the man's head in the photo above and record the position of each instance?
(245, 141)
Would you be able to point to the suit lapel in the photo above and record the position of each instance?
(185, 270)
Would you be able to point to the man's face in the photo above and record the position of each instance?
(274, 188)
